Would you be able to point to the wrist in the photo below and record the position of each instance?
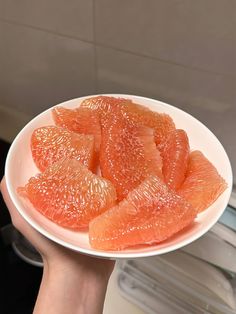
(80, 266)
(76, 273)
(78, 289)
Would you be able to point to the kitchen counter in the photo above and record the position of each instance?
(115, 303)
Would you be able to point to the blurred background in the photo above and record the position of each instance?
(178, 51)
(181, 52)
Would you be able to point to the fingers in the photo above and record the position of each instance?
(12, 210)
(17, 220)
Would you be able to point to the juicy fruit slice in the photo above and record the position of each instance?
(203, 184)
(51, 143)
(104, 104)
(79, 120)
(69, 194)
(150, 214)
(175, 154)
(160, 122)
(128, 153)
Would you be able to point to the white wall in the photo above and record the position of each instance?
(179, 51)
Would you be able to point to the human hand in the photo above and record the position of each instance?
(71, 270)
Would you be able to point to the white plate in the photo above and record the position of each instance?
(20, 167)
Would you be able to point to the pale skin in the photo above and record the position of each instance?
(72, 283)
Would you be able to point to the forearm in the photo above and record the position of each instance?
(70, 291)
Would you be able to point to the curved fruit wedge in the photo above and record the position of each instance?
(160, 122)
(69, 194)
(203, 184)
(79, 120)
(51, 143)
(104, 104)
(175, 155)
(150, 214)
(128, 153)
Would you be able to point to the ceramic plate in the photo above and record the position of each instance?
(20, 167)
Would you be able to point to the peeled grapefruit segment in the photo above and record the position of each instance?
(150, 214)
(104, 104)
(203, 184)
(175, 154)
(128, 153)
(51, 143)
(79, 120)
(69, 194)
(161, 123)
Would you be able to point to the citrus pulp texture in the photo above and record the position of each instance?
(69, 194)
(151, 213)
